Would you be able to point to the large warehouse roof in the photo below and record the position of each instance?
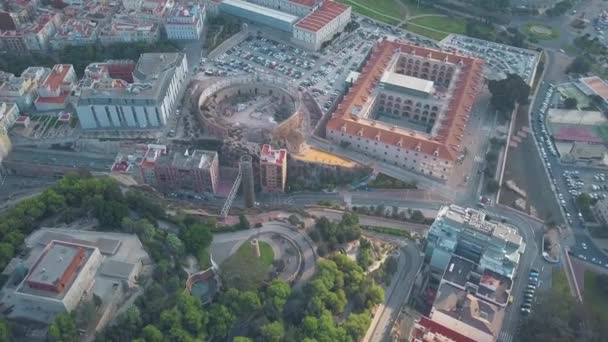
(261, 10)
(316, 20)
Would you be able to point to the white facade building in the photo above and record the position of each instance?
(146, 103)
(295, 7)
(185, 22)
(321, 25)
(8, 114)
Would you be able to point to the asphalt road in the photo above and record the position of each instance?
(553, 167)
(396, 295)
(531, 232)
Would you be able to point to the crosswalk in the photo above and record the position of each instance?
(505, 337)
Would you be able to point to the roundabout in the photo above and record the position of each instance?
(284, 252)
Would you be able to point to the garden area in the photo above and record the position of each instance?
(387, 11)
(243, 270)
(540, 32)
(595, 293)
(437, 27)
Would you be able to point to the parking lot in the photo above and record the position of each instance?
(500, 59)
(321, 73)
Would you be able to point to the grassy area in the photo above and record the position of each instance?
(559, 283)
(551, 32)
(267, 255)
(387, 11)
(414, 9)
(445, 24)
(244, 271)
(383, 181)
(594, 297)
(389, 231)
(425, 32)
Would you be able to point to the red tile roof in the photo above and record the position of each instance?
(55, 79)
(322, 16)
(434, 327)
(273, 156)
(308, 3)
(55, 99)
(446, 144)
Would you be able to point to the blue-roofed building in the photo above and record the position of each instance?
(466, 232)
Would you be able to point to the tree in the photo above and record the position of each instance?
(220, 321)
(580, 65)
(196, 237)
(152, 334)
(5, 331)
(243, 222)
(176, 246)
(492, 186)
(276, 297)
(356, 324)
(584, 201)
(508, 91)
(63, 328)
(417, 216)
(364, 257)
(273, 332)
(242, 339)
(241, 303)
(570, 103)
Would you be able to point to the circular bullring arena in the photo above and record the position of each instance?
(253, 108)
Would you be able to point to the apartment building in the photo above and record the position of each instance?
(146, 102)
(273, 169)
(185, 21)
(466, 233)
(188, 171)
(22, 90)
(75, 32)
(54, 91)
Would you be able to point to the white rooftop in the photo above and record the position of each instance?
(409, 82)
(265, 11)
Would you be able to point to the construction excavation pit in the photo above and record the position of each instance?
(250, 108)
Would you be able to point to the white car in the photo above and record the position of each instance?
(584, 245)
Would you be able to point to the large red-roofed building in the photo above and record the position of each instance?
(412, 86)
(427, 330)
(321, 25)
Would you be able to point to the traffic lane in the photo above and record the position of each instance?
(397, 294)
(531, 231)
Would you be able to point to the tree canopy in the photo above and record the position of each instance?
(580, 65)
(63, 328)
(508, 91)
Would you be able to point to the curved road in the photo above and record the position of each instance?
(396, 295)
(222, 242)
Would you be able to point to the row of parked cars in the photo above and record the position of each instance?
(528, 295)
(547, 146)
